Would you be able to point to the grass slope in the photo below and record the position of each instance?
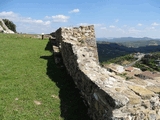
(31, 86)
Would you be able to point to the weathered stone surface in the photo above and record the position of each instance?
(146, 104)
(155, 88)
(139, 82)
(143, 92)
(1, 29)
(133, 98)
(108, 96)
(152, 115)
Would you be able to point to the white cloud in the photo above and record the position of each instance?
(9, 15)
(26, 24)
(97, 25)
(5, 14)
(139, 24)
(125, 31)
(150, 28)
(112, 26)
(86, 24)
(60, 18)
(154, 24)
(124, 25)
(133, 30)
(34, 21)
(120, 30)
(17, 18)
(74, 11)
(48, 17)
(117, 20)
(103, 28)
(38, 21)
(47, 23)
(83, 24)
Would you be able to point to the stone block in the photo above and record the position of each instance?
(142, 92)
(155, 88)
(133, 98)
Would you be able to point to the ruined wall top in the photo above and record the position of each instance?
(83, 36)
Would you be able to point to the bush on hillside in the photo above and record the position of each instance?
(10, 25)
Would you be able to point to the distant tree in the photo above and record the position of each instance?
(10, 25)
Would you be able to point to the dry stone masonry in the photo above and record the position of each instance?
(108, 96)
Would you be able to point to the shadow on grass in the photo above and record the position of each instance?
(72, 106)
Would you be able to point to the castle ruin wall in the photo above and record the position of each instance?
(108, 96)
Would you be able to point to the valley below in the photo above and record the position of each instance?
(110, 50)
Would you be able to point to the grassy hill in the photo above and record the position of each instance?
(31, 86)
(150, 62)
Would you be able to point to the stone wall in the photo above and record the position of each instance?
(108, 96)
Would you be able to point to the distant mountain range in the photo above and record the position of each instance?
(125, 39)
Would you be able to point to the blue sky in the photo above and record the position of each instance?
(111, 18)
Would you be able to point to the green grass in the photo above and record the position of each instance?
(28, 74)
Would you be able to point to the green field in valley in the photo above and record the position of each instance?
(31, 86)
